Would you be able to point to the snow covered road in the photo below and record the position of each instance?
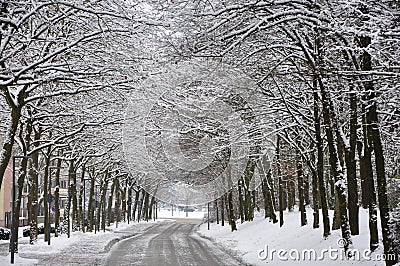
(170, 243)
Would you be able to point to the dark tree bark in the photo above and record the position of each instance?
(319, 143)
(329, 119)
(109, 206)
(129, 202)
(291, 195)
(75, 215)
(300, 189)
(306, 189)
(91, 201)
(246, 179)
(33, 201)
(232, 221)
(226, 207)
(151, 208)
(253, 200)
(285, 195)
(145, 213)
(135, 206)
(246, 199)
(9, 139)
(336, 214)
(117, 199)
(268, 206)
(240, 201)
(123, 200)
(350, 156)
(57, 197)
(368, 187)
(103, 201)
(280, 189)
(72, 199)
(332, 192)
(216, 210)
(315, 190)
(46, 188)
(20, 184)
(374, 137)
(80, 217)
(364, 152)
(222, 211)
(140, 205)
(272, 190)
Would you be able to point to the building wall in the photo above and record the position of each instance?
(5, 194)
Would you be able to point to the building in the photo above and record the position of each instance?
(5, 197)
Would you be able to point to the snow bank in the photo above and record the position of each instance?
(81, 248)
(259, 242)
(5, 260)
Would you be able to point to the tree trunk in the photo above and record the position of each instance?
(109, 207)
(232, 221)
(266, 189)
(320, 154)
(140, 206)
(46, 189)
(271, 189)
(340, 187)
(226, 206)
(151, 213)
(216, 210)
(336, 214)
(57, 197)
(117, 204)
(33, 201)
(300, 189)
(71, 195)
(129, 213)
(136, 203)
(315, 191)
(315, 200)
(375, 139)
(246, 205)
(285, 196)
(222, 211)
(350, 155)
(291, 195)
(82, 209)
(75, 217)
(20, 186)
(306, 182)
(6, 151)
(240, 202)
(103, 201)
(368, 186)
(280, 188)
(91, 202)
(123, 200)
(145, 213)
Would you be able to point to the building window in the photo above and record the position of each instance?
(63, 184)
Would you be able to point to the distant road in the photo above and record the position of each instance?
(170, 243)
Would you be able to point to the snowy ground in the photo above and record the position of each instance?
(256, 241)
(80, 249)
(259, 242)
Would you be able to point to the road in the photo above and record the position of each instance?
(170, 243)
